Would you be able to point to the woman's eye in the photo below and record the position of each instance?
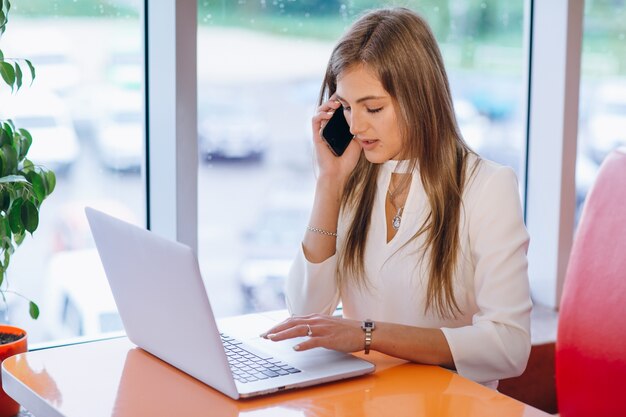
(374, 110)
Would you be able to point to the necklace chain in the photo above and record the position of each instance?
(392, 198)
(393, 195)
(397, 219)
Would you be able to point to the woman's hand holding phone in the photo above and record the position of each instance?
(334, 158)
(333, 173)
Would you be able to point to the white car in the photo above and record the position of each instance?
(607, 121)
(124, 68)
(270, 246)
(78, 300)
(46, 116)
(231, 130)
(119, 131)
(70, 227)
(262, 283)
(51, 55)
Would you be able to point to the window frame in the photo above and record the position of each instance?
(552, 132)
(170, 34)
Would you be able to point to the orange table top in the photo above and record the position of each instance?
(115, 378)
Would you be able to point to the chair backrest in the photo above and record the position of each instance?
(591, 338)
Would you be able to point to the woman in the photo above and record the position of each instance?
(412, 231)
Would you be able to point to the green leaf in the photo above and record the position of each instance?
(30, 216)
(7, 242)
(26, 140)
(8, 129)
(11, 159)
(51, 181)
(17, 145)
(4, 135)
(32, 70)
(19, 237)
(12, 178)
(18, 76)
(6, 234)
(7, 254)
(3, 166)
(33, 310)
(1, 54)
(15, 217)
(3, 21)
(8, 73)
(38, 185)
(27, 165)
(26, 134)
(5, 202)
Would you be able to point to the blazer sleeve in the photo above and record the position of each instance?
(497, 344)
(311, 287)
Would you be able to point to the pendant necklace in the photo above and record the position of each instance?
(397, 219)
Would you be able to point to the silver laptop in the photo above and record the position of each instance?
(165, 309)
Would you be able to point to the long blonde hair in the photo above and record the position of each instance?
(398, 45)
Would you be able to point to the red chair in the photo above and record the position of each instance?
(591, 339)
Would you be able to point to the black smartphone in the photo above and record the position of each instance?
(336, 133)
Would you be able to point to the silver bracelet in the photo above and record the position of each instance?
(321, 231)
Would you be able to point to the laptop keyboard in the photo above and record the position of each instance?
(249, 367)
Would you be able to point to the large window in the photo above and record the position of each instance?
(260, 66)
(85, 112)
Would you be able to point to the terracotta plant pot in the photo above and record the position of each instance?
(8, 407)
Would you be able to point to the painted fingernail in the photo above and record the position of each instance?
(330, 112)
(263, 335)
(296, 347)
(271, 336)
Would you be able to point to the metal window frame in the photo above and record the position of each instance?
(171, 119)
(554, 83)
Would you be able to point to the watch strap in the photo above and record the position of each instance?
(368, 340)
(368, 326)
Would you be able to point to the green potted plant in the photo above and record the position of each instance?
(23, 188)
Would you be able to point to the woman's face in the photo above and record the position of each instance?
(369, 110)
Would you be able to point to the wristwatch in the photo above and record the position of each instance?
(368, 326)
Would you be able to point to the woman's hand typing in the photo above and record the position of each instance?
(323, 331)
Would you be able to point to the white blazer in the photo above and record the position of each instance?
(490, 340)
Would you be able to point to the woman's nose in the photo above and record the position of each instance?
(356, 124)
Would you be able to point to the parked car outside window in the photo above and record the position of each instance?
(119, 130)
(270, 245)
(46, 116)
(231, 128)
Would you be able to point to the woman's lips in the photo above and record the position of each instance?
(368, 144)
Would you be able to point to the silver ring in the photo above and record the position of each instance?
(309, 331)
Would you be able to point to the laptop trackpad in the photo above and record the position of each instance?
(248, 328)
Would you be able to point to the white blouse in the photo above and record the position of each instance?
(490, 340)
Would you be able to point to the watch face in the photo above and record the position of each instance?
(368, 325)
